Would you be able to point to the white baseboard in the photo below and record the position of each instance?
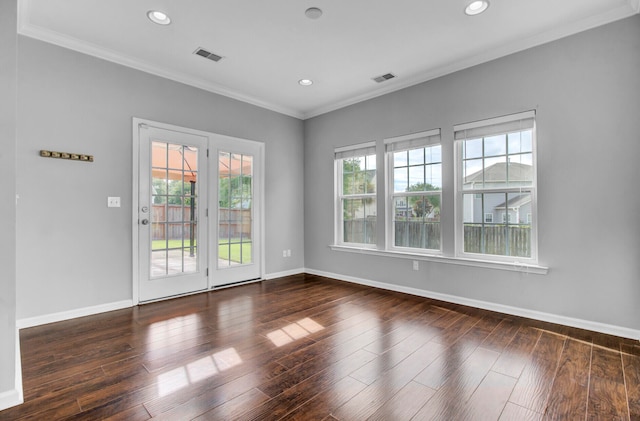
(9, 399)
(72, 314)
(14, 397)
(500, 308)
(283, 274)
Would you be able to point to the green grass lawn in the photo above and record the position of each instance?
(234, 249)
(224, 249)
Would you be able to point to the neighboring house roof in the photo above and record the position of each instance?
(498, 173)
(515, 202)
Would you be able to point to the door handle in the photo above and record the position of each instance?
(145, 222)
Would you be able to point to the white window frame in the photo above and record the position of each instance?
(488, 218)
(362, 149)
(399, 144)
(484, 128)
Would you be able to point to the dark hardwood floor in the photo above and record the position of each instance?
(311, 348)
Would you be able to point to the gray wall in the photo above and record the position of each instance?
(74, 252)
(7, 192)
(586, 91)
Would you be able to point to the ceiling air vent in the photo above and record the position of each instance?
(207, 54)
(384, 78)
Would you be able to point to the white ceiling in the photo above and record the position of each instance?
(269, 45)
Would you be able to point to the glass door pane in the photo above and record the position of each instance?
(174, 197)
(235, 212)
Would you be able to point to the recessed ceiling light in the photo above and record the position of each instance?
(476, 7)
(305, 82)
(313, 13)
(158, 17)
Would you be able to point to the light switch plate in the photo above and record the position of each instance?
(113, 202)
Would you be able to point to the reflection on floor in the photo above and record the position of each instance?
(311, 348)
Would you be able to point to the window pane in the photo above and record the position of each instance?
(495, 145)
(370, 181)
(348, 183)
(495, 172)
(359, 218)
(504, 229)
(348, 165)
(520, 142)
(472, 174)
(494, 204)
(498, 223)
(400, 180)
(520, 170)
(527, 141)
(356, 178)
(472, 148)
(494, 239)
(433, 154)
(190, 158)
(416, 156)
(159, 154)
(519, 207)
(498, 169)
(401, 208)
(472, 208)
(417, 221)
(400, 159)
(416, 178)
(370, 162)
(433, 175)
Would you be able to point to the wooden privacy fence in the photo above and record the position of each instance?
(488, 239)
(173, 222)
(498, 239)
(417, 234)
(360, 231)
(234, 223)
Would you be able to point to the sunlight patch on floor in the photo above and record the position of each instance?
(196, 371)
(294, 331)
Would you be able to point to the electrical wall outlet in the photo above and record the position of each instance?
(113, 202)
(416, 265)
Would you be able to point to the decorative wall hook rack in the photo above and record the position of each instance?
(66, 155)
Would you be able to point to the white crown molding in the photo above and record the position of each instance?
(397, 84)
(500, 308)
(630, 8)
(71, 43)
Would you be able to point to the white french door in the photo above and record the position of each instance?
(197, 211)
(172, 220)
(238, 199)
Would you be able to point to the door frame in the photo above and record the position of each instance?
(135, 204)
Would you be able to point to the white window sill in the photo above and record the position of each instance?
(463, 261)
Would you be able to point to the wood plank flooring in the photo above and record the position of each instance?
(311, 348)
